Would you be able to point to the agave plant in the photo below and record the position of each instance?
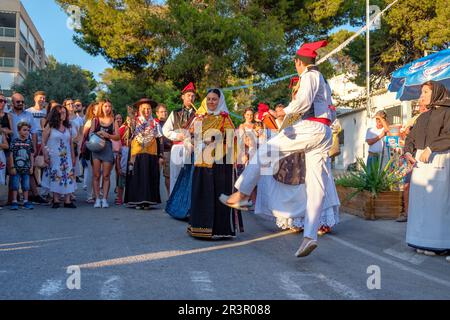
(374, 179)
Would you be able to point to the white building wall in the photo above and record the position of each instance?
(355, 122)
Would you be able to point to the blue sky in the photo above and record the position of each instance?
(51, 21)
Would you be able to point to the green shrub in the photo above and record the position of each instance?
(375, 180)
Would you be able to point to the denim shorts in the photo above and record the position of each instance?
(24, 179)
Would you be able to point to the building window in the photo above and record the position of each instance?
(7, 24)
(394, 115)
(7, 54)
(23, 32)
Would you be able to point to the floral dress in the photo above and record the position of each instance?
(59, 176)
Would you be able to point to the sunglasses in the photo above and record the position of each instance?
(1, 100)
(20, 102)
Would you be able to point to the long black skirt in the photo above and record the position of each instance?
(209, 218)
(142, 183)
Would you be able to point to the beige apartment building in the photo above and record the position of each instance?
(21, 47)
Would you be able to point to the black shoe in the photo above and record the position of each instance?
(56, 205)
(39, 200)
(70, 205)
(79, 180)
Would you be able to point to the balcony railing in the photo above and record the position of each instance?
(7, 32)
(7, 62)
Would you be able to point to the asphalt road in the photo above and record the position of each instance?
(130, 254)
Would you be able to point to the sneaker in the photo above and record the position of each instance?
(429, 253)
(307, 246)
(98, 203)
(28, 206)
(420, 251)
(90, 201)
(105, 203)
(14, 206)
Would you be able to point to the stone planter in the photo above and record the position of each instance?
(386, 205)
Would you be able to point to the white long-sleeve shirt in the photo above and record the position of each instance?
(313, 90)
(168, 128)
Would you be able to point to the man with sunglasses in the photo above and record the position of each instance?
(79, 108)
(18, 115)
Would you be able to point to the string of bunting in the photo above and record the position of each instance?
(326, 57)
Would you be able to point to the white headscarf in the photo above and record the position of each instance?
(222, 107)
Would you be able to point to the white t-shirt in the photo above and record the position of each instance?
(76, 124)
(372, 133)
(78, 121)
(38, 115)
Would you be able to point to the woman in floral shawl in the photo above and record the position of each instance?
(142, 180)
(213, 174)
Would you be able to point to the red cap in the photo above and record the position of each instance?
(309, 49)
(294, 81)
(262, 107)
(189, 88)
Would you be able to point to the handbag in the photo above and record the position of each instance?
(292, 169)
(95, 143)
(39, 162)
(39, 159)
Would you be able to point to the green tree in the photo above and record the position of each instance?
(125, 88)
(59, 81)
(215, 43)
(209, 42)
(408, 29)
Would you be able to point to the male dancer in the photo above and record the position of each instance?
(311, 134)
(178, 121)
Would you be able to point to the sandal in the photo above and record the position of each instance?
(243, 205)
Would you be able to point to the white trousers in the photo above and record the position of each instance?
(315, 140)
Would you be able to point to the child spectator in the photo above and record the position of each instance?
(21, 160)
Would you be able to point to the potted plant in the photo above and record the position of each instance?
(371, 193)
